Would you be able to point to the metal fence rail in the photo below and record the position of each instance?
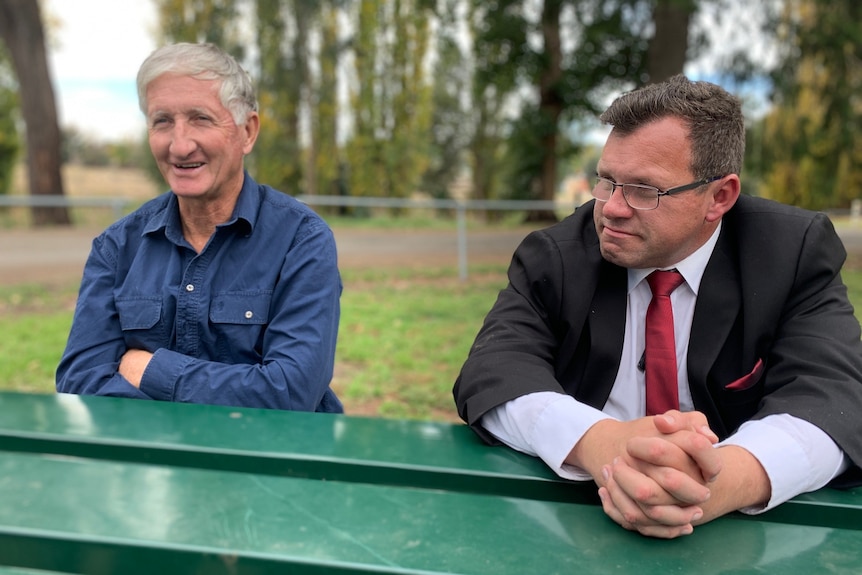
(460, 207)
(120, 206)
(117, 205)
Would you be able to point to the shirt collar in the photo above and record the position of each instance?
(691, 268)
(244, 213)
(247, 204)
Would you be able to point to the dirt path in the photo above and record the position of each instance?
(58, 255)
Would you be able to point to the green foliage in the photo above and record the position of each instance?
(327, 162)
(413, 95)
(9, 141)
(811, 147)
(283, 76)
(215, 21)
(450, 120)
(391, 105)
(604, 50)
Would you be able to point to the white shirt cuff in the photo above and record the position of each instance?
(546, 425)
(797, 456)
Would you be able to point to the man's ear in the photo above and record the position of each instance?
(251, 129)
(724, 195)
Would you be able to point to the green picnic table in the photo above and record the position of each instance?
(100, 485)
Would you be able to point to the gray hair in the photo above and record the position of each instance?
(713, 116)
(204, 62)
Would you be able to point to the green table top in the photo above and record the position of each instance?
(101, 485)
(61, 513)
(316, 445)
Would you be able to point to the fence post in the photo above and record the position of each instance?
(461, 217)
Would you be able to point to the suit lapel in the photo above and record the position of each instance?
(606, 320)
(716, 310)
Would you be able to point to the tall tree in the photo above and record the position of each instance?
(568, 75)
(450, 130)
(364, 151)
(325, 175)
(495, 77)
(213, 21)
(282, 31)
(668, 47)
(410, 95)
(391, 98)
(9, 141)
(812, 150)
(21, 29)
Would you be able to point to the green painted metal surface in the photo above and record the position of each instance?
(91, 516)
(319, 446)
(101, 485)
(323, 446)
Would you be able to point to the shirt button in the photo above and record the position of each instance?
(190, 287)
(249, 315)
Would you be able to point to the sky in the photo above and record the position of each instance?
(94, 50)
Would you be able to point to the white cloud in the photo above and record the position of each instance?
(93, 53)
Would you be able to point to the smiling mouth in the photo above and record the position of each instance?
(188, 166)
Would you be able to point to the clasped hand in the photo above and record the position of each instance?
(654, 473)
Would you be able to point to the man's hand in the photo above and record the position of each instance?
(666, 485)
(609, 439)
(132, 365)
(658, 487)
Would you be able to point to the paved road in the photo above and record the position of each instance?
(58, 255)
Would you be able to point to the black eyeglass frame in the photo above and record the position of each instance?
(659, 191)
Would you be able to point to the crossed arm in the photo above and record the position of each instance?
(662, 475)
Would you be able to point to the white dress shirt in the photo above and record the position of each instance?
(797, 456)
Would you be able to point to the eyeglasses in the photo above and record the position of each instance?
(639, 196)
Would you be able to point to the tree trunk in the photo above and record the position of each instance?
(21, 29)
(550, 107)
(667, 48)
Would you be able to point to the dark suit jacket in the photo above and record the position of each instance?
(773, 330)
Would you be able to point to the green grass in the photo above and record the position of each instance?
(404, 335)
(34, 323)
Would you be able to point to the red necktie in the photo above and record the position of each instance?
(662, 393)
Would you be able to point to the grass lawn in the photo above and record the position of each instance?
(404, 335)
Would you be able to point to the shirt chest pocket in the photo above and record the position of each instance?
(242, 308)
(141, 321)
(238, 321)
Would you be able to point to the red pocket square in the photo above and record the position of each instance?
(748, 380)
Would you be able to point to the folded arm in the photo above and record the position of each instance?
(291, 368)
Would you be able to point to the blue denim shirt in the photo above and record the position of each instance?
(251, 320)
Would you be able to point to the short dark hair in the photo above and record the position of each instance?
(713, 115)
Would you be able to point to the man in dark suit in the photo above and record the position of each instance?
(766, 399)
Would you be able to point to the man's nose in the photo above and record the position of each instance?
(182, 140)
(617, 206)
